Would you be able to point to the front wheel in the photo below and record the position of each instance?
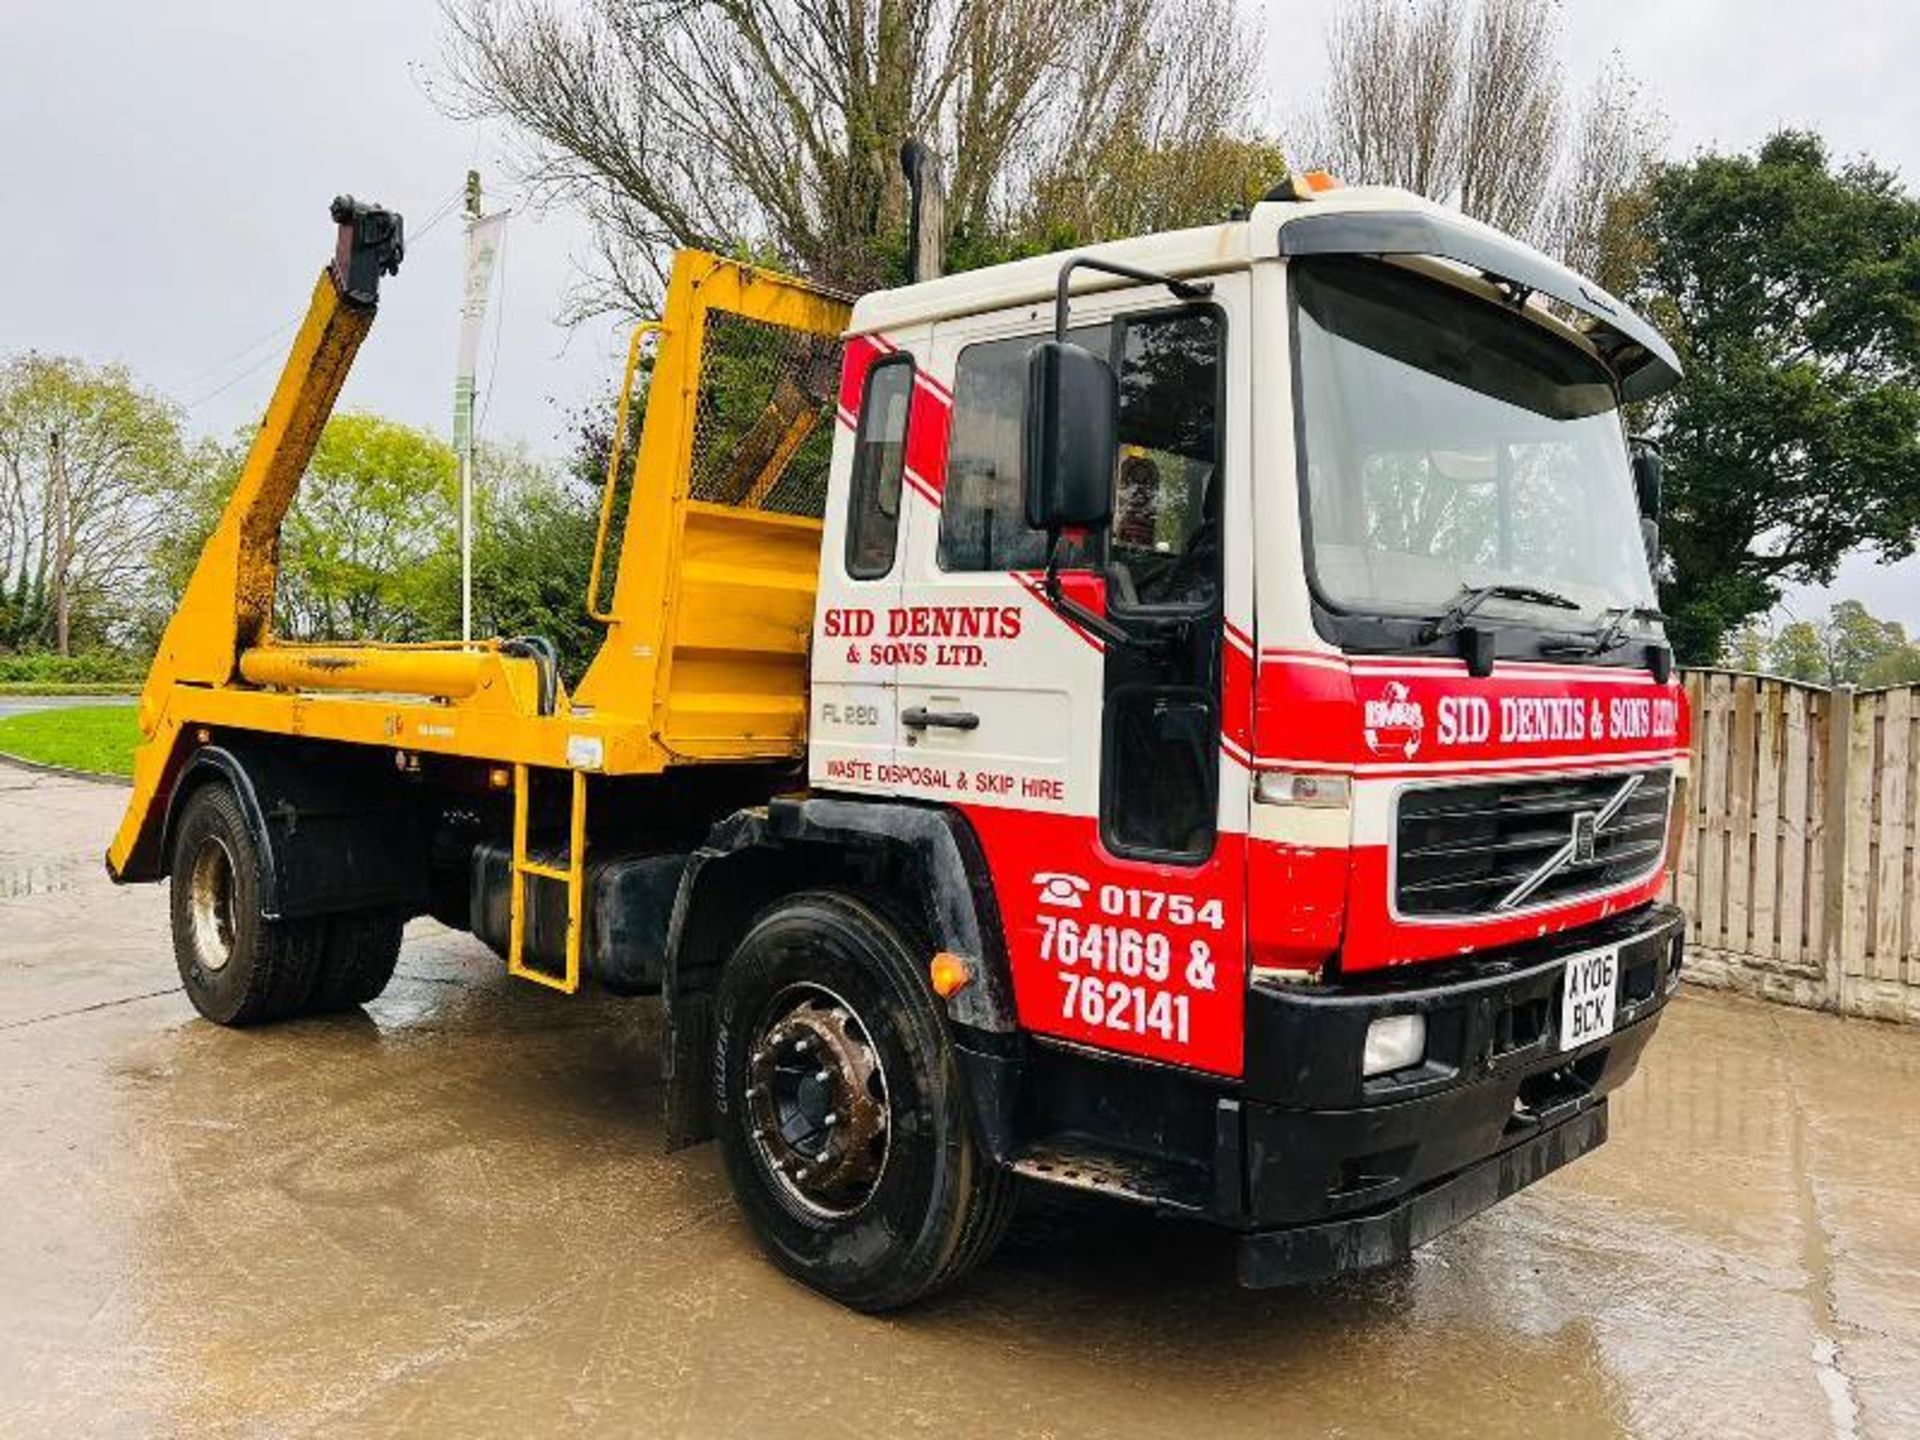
(841, 1112)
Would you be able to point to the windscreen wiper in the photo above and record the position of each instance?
(1472, 597)
(1611, 635)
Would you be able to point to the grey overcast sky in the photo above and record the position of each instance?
(168, 167)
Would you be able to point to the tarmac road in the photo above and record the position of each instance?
(21, 704)
(451, 1215)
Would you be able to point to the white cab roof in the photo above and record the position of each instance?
(1199, 251)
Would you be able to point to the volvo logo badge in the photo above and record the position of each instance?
(1580, 847)
(1586, 826)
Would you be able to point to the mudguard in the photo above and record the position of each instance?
(752, 855)
(330, 840)
(939, 846)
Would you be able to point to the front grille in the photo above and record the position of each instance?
(1472, 849)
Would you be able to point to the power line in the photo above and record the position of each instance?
(274, 334)
(222, 389)
(446, 207)
(450, 207)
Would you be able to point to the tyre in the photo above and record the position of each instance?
(840, 1110)
(358, 958)
(238, 969)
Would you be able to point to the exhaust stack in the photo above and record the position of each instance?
(927, 217)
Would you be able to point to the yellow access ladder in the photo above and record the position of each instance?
(573, 875)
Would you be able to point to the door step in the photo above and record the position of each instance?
(1141, 1179)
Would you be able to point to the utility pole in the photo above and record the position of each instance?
(62, 542)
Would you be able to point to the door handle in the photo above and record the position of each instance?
(918, 717)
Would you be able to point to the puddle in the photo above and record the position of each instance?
(20, 881)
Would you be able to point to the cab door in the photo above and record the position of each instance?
(852, 736)
(1090, 765)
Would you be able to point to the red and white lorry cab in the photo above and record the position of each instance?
(1269, 607)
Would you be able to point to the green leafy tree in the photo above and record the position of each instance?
(1858, 641)
(1792, 287)
(1748, 648)
(89, 462)
(370, 549)
(1896, 667)
(1849, 646)
(367, 546)
(532, 551)
(363, 551)
(1799, 652)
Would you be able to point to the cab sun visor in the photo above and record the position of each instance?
(1641, 361)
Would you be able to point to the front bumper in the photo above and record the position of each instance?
(1330, 1172)
(1306, 1253)
(1320, 1170)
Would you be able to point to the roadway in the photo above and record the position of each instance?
(21, 704)
(451, 1214)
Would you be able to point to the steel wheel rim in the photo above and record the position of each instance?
(817, 1102)
(210, 901)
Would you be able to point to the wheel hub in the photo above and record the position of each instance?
(817, 1101)
(210, 893)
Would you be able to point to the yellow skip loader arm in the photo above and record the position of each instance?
(228, 603)
(712, 588)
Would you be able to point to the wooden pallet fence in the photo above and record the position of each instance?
(1799, 873)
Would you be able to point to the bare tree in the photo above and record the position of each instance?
(774, 126)
(1463, 101)
(1588, 221)
(1510, 120)
(1390, 114)
(1165, 143)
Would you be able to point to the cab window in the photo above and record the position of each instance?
(983, 518)
(879, 458)
(1165, 541)
(1164, 538)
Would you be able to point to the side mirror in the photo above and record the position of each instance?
(1650, 542)
(1649, 474)
(1072, 438)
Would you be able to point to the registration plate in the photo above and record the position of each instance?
(1587, 997)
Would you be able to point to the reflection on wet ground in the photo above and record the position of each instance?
(451, 1214)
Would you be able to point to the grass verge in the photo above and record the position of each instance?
(59, 687)
(98, 738)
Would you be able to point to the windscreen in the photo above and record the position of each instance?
(1449, 442)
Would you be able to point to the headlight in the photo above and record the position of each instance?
(1393, 1043)
(1290, 787)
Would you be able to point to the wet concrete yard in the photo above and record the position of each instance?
(451, 1215)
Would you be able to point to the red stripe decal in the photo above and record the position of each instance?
(1428, 720)
(918, 484)
(861, 352)
(927, 426)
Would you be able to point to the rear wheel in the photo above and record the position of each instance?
(361, 951)
(841, 1113)
(237, 968)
